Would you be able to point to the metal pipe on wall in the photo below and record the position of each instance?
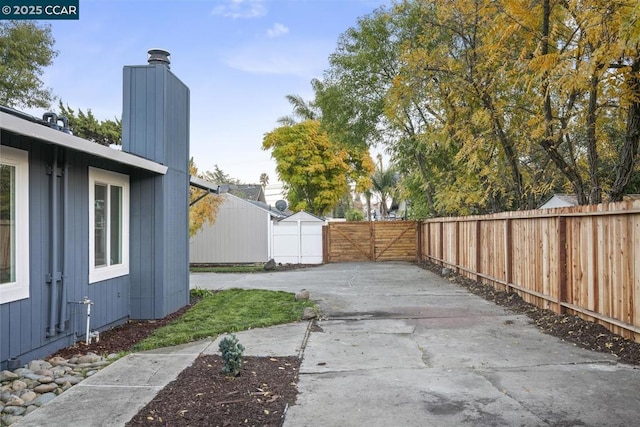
(53, 278)
(62, 319)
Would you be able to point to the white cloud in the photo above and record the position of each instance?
(240, 9)
(303, 59)
(277, 30)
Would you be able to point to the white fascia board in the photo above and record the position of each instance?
(52, 136)
(203, 184)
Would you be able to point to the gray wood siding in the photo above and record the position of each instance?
(156, 126)
(240, 234)
(24, 323)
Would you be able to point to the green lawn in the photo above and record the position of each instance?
(227, 311)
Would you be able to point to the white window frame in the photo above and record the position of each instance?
(100, 273)
(19, 289)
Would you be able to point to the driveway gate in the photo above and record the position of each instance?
(370, 241)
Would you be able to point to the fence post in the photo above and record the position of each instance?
(419, 240)
(441, 246)
(325, 244)
(508, 253)
(562, 261)
(478, 252)
(457, 248)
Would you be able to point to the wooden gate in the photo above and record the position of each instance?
(370, 241)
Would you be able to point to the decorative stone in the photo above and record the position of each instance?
(36, 365)
(302, 295)
(14, 410)
(270, 265)
(88, 358)
(45, 388)
(45, 380)
(56, 361)
(18, 385)
(308, 313)
(8, 375)
(44, 398)
(28, 396)
(14, 401)
(73, 380)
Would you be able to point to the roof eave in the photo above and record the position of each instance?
(51, 136)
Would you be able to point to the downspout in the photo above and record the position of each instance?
(62, 320)
(54, 275)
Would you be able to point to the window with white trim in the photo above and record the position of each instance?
(14, 224)
(108, 225)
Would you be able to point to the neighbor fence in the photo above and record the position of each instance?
(582, 260)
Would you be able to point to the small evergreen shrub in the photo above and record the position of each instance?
(231, 351)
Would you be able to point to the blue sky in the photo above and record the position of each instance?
(240, 58)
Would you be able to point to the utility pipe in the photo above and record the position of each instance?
(62, 320)
(53, 301)
(90, 334)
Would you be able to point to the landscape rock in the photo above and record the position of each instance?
(25, 389)
(270, 265)
(302, 295)
(308, 313)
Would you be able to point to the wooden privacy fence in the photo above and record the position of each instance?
(370, 241)
(584, 260)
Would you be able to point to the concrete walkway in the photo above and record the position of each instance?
(400, 346)
(396, 346)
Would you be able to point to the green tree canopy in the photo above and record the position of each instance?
(489, 105)
(314, 171)
(26, 48)
(85, 125)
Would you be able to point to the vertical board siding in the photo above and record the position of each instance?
(584, 260)
(25, 322)
(155, 125)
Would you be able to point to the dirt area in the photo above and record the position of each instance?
(203, 396)
(260, 395)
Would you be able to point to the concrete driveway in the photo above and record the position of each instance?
(401, 346)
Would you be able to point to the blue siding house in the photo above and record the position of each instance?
(86, 225)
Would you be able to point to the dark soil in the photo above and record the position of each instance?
(203, 396)
(260, 395)
(568, 327)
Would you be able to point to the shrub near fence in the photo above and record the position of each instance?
(583, 260)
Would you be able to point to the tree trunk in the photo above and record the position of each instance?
(595, 193)
(629, 150)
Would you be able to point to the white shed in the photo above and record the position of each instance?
(297, 239)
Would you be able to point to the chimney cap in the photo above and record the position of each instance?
(159, 57)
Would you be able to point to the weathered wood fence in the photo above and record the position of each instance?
(582, 260)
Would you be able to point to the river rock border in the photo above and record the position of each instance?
(25, 389)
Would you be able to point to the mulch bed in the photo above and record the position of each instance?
(203, 396)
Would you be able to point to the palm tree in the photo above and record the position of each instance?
(302, 110)
(384, 183)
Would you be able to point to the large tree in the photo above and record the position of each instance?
(490, 105)
(314, 171)
(26, 48)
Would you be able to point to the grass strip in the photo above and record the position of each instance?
(227, 311)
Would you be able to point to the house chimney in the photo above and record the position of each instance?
(159, 56)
